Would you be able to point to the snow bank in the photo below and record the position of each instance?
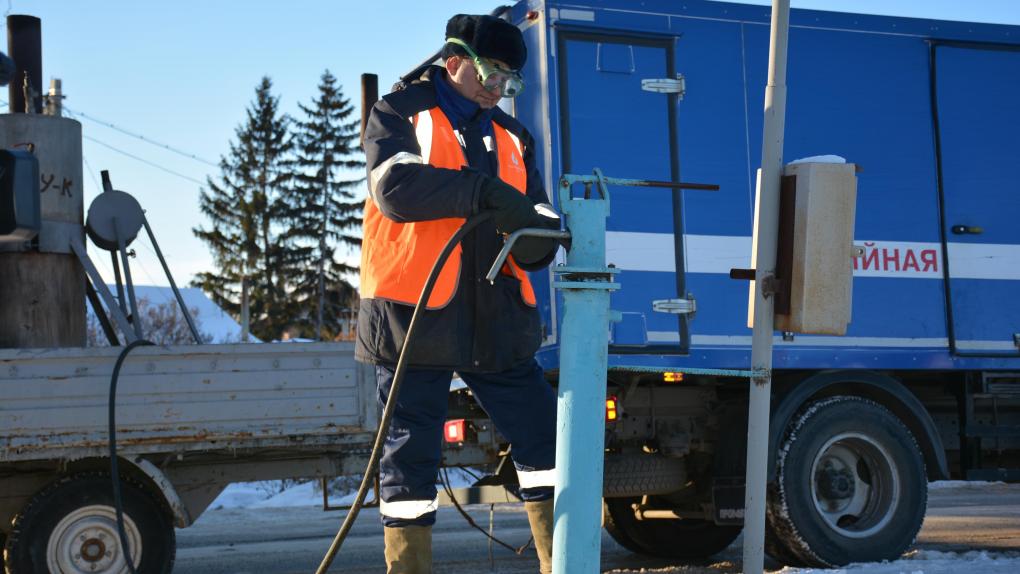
(240, 495)
(929, 562)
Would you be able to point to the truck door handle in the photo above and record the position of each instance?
(966, 230)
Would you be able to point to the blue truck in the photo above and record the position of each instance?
(926, 383)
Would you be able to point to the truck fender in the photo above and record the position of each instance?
(182, 518)
(878, 387)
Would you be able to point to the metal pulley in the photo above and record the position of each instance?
(114, 219)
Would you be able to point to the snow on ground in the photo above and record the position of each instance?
(267, 494)
(259, 495)
(973, 484)
(929, 562)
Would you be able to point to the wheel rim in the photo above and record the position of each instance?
(855, 485)
(86, 542)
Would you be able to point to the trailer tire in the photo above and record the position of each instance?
(47, 535)
(850, 486)
(632, 475)
(684, 538)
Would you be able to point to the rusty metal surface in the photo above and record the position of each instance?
(176, 399)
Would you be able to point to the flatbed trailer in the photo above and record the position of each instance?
(190, 420)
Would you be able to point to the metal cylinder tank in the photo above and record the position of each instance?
(42, 284)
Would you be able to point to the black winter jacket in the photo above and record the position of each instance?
(485, 328)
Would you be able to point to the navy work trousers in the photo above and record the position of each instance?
(521, 404)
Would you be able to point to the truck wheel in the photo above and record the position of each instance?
(71, 526)
(680, 538)
(850, 486)
(616, 531)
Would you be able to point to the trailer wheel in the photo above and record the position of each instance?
(71, 526)
(850, 486)
(680, 538)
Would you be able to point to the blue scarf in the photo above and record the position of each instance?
(460, 110)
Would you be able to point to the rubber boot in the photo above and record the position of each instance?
(540, 516)
(408, 550)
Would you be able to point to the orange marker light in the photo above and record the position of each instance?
(611, 412)
(673, 377)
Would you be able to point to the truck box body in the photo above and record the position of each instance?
(927, 109)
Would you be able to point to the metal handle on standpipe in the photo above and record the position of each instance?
(513, 237)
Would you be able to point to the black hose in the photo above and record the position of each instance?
(398, 376)
(118, 502)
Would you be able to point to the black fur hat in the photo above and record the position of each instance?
(489, 37)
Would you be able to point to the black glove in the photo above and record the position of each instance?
(513, 209)
(534, 253)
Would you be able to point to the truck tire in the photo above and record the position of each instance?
(632, 475)
(616, 531)
(850, 486)
(684, 538)
(71, 526)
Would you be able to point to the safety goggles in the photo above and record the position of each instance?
(491, 76)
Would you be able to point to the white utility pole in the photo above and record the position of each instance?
(766, 224)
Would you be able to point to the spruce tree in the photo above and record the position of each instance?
(247, 233)
(323, 209)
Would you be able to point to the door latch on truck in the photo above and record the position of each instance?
(676, 85)
(686, 306)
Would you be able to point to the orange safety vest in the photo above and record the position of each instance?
(396, 257)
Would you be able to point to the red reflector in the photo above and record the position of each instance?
(453, 431)
(611, 412)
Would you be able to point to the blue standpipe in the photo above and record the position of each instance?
(585, 282)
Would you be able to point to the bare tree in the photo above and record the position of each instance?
(163, 324)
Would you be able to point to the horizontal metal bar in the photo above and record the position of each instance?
(654, 514)
(593, 285)
(570, 179)
(749, 374)
(513, 237)
(478, 495)
(993, 474)
(665, 184)
(989, 431)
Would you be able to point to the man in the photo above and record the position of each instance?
(439, 152)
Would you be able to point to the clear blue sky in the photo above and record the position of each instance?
(182, 72)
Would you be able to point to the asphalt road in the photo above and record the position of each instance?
(286, 540)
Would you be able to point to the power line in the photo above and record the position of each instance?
(95, 180)
(132, 156)
(145, 161)
(141, 137)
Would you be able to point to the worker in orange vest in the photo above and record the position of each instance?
(438, 152)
